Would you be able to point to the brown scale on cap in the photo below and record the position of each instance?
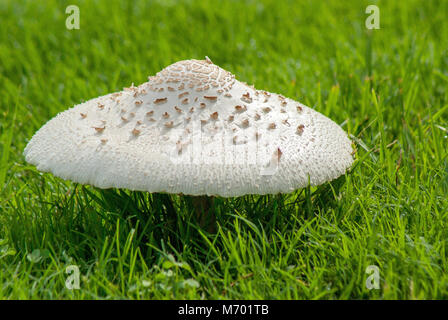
(214, 115)
(171, 89)
(211, 98)
(231, 117)
(179, 110)
(185, 101)
(266, 109)
(103, 141)
(246, 98)
(278, 153)
(183, 94)
(245, 123)
(99, 129)
(135, 132)
(202, 105)
(138, 103)
(149, 113)
(285, 122)
(124, 119)
(300, 129)
(169, 124)
(272, 126)
(240, 108)
(100, 106)
(83, 115)
(257, 116)
(139, 122)
(132, 114)
(267, 96)
(299, 109)
(160, 100)
(191, 109)
(166, 115)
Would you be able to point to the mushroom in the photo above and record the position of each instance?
(314, 149)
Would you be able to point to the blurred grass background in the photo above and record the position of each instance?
(387, 87)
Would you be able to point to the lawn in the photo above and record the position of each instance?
(386, 87)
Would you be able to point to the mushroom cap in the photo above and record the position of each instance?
(192, 129)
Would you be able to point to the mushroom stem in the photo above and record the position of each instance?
(205, 215)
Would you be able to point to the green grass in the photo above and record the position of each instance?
(387, 87)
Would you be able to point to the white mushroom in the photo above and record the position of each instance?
(168, 109)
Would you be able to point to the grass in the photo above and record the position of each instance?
(386, 87)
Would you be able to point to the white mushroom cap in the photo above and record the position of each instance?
(192, 129)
